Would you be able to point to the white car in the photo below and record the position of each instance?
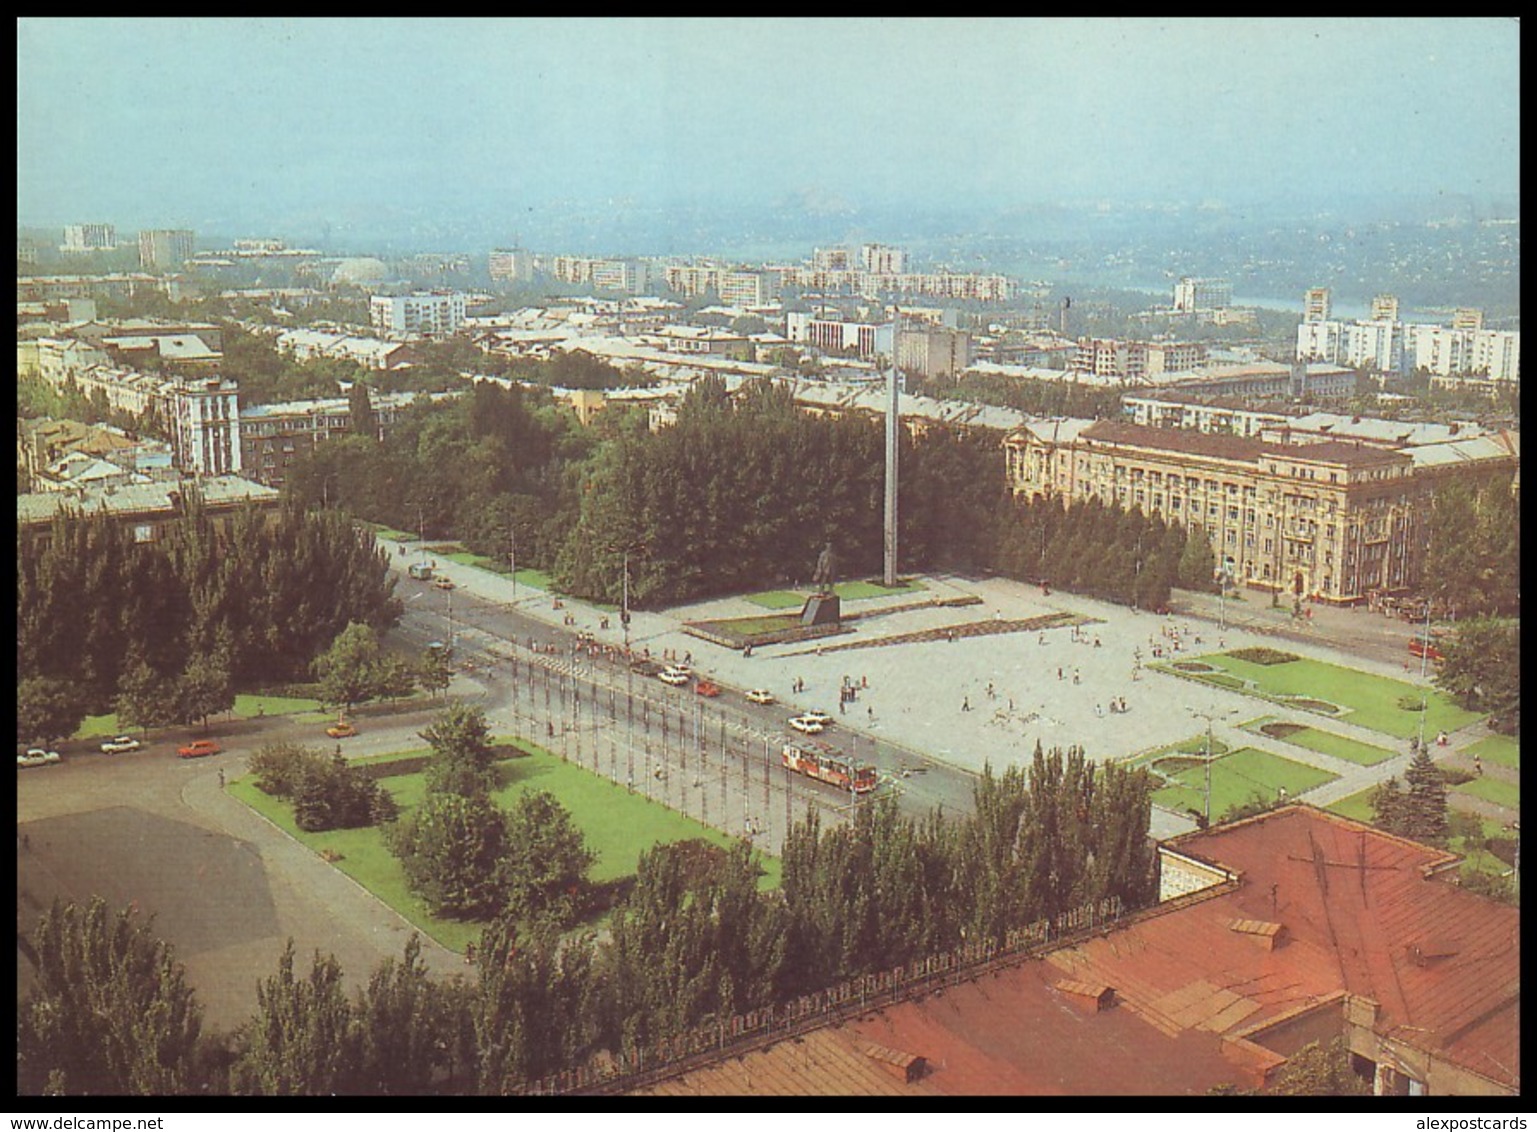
(807, 724)
(36, 756)
(121, 745)
(760, 696)
(674, 675)
(820, 716)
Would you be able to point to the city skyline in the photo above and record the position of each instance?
(262, 124)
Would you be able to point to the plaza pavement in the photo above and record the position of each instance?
(934, 696)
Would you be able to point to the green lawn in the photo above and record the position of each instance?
(1195, 745)
(246, 706)
(1493, 790)
(1501, 750)
(1357, 806)
(847, 591)
(618, 826)
(1326, 743)
(1366, 700)
(392, 534)
(1235, 778)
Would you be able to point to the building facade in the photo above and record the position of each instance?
(421, 314)
(1331, 520)
(1134, 361)
(205, 427)
(165, 249)
(81, 238)
(1192, 294)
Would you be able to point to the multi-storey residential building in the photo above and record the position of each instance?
(1316, 306)
(1384, 308)
(511, 265)
(1134, 361)
(1467, 318)
(205, 426)
(1459, 352)
(146, 510)
(628, 275)
(123, 285)
(879, 259)
(1331, 519)
(421, 314)
(830, 259)
(80, 238)
(933, 351)
(375, 353)
(273, 436)
(835, 336)
(739, 288)
(1191, 295)
(165, 249)
(1376, 344)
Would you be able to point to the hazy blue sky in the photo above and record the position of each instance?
(251, 121)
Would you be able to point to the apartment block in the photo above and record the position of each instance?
(1192, 294)
(165, 249)
(82, 238)
(421, 314)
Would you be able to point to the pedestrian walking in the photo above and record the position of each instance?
(966, 703)
(1099, 710)
(1059, 673)
(1478, 766)
(864, 681)
(843, 706)
(871, 710)
(1077, 678)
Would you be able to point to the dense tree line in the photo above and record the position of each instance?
(1481, 667)
(165, 629)
(1472, 563)
(695, 939)
(1101, 550)
(745, 491)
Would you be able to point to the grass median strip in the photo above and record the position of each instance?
(1324, 742)
(1236, 779)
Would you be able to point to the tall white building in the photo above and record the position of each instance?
(421, 314)
(88, 238)
(883, 260)
(205, 427)
(513, 265)
(1315, 305)
(1191, 294)
(166, 248)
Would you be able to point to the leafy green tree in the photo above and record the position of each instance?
(1319, 1070)
(145, 699)
(451, 848)
(1388, 807)
(332, 794)
(462, 753)
(1481, 666)
(545, 869)
(365, 421)
(111, 1011)
(280, 767)
(301, 1042)
(47, 710)
(404, 1028)
(349, 671)
(1424, 809)
(535, 1008)
(1197, 563)
(435, 672)
(205, 688)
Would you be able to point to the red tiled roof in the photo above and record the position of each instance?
(1196, 986)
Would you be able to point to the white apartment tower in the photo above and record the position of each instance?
(1192, 294)
(1315, 305)
(879, 259)
(205, 427)
(421, 314)
(165, 248)
(88, 238)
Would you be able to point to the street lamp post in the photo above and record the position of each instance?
(1209, 716)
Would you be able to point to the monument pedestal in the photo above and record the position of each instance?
(821, 609)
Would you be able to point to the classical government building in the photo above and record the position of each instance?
(1329, 519)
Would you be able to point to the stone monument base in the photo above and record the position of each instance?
(821, 609)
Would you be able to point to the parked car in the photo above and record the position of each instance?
(121, 745)
(342, 730)
(760, 696)
(707, 688)
(674, 675)
(36, 756)
(807, 724)
(198, 748)
(443, 583)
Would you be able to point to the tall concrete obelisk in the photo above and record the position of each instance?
(893, 423)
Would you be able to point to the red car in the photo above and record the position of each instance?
(198, 748)
(706, 688)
